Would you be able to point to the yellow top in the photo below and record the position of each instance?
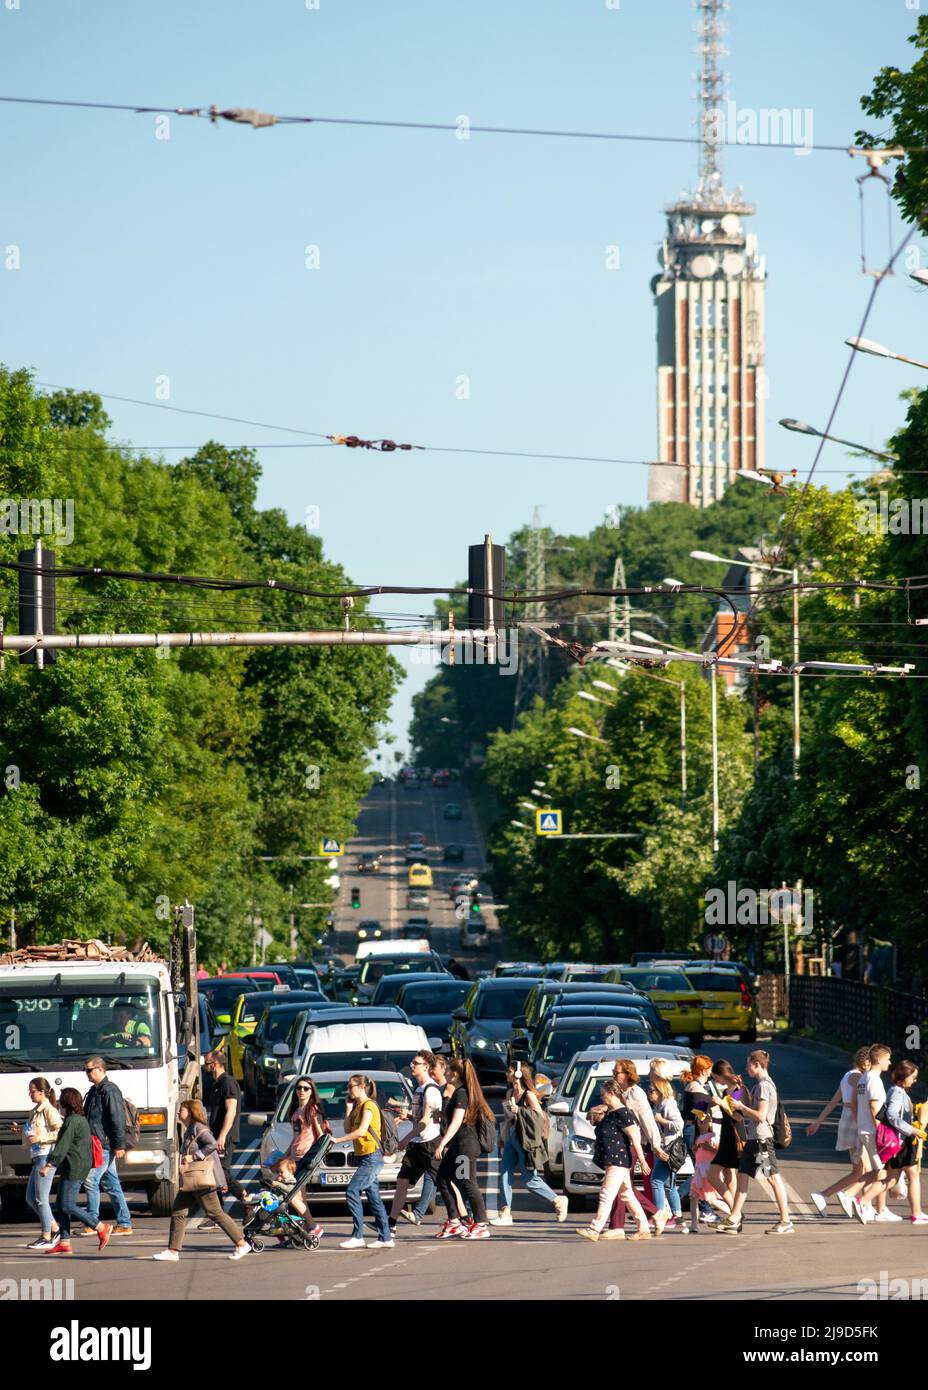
(368, 1143)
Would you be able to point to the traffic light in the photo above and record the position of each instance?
(475, 904)
(28, 584)
(355, 897)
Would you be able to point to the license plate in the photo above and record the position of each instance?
(708, 1005)
(336, 1179)
(667, 1008)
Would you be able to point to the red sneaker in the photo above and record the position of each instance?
(477, 1230)
(450, 1228)
(62, 1248)
(104, 1236)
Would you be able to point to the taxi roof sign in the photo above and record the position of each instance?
(331, 847)
(548, 822)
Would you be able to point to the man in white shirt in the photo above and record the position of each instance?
(871, 1097)
(422, 1140)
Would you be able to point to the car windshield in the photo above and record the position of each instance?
(670, 981)
(590, 1095)
(563, 1043)
(359, 1061)
(434, 999)
(278, 1024)
(223, 993)
(574, 1080)
(580, 976)
(387, 990)
(45, 1027)
(373, 970)
(501, 1003)
(308, 978)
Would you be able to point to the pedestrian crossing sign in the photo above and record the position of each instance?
(331, 847)
(548, 822)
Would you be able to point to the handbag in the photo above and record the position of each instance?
(888, 1142)
(198, 1176)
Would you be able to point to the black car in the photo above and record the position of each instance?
(389, 986)
(417, 929)
(373, 968)
(523, 1046)
(453, 854)
(544, 992)
(265, 1052)
(560, 1037)
(514, 968)
(603, 996)
(367, 864)
(431, 1003)
(483, 1024)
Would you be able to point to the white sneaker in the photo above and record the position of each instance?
(887, 1215)
(845, 1204)
(171, 1255)
(561, 1207)
(504, 1218)
(379, 1244)
(352, 1243)
(240, 1252)
(819, 1202)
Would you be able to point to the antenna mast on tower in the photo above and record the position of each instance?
(711, 28)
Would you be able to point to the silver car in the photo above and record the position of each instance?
(340, 1163)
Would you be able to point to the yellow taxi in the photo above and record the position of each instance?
(420, 876)
(243, 1020)
(677, 1001)
(727, 1004)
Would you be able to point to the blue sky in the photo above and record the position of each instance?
(439, 258)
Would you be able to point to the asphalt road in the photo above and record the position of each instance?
(825, 1259)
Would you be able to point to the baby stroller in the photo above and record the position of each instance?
(272, 1216)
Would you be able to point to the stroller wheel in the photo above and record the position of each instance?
(257, 1245)
(313, 1243)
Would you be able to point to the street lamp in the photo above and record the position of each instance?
(800, 427)
(878, 350)
(585, 695)
(581, 733)
(521, 824)
(604, 685)
(529, 805)
(674, 583)
(794, 575)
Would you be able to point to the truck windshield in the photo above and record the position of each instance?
(43, 1026)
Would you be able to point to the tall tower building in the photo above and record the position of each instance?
(710, 315)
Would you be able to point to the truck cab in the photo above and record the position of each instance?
(55, 1014)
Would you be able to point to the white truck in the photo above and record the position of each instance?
(140, 1014)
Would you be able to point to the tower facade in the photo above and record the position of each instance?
(710, 316)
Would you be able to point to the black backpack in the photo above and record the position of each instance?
(677, 1153)
(486, 1133)
(389, 1140)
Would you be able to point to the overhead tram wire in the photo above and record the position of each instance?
(242, 116)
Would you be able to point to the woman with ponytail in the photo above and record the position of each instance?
(364, 1129)
(459, 1149)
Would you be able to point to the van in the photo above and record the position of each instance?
(392, 947)
(362, 1047)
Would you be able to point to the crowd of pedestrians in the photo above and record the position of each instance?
(694, 1148)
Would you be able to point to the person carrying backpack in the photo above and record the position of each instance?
(469, 1131)
(764, 1128)
(373, 1134)
(105, 1112)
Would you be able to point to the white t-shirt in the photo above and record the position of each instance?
(429, 1093)
(869, 1087)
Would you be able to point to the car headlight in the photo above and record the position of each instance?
(362, 934)
(480, 1042)
(269, 1062)
(578, 1145)
(499, 1047)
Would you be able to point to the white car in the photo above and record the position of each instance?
(340, 1162)
(570, 1134)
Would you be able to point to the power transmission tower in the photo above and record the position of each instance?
(532, 679)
